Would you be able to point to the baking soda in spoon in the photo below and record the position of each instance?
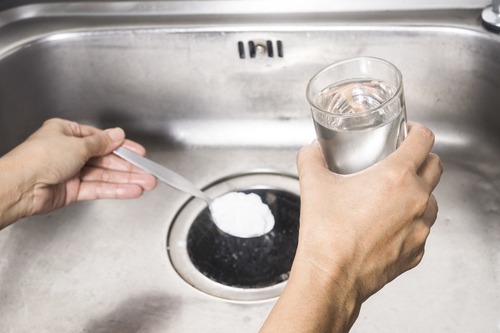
(242, 215)
(236, 213)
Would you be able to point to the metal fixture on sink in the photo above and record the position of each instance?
(261, 49)
(491, 16)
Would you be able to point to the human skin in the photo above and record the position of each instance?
(64, 162)
(357, 233)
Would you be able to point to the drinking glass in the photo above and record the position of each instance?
(359, 112)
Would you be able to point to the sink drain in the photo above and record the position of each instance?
(238, 268)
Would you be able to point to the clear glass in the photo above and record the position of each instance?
(359, 112)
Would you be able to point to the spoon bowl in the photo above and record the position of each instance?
(238, 214)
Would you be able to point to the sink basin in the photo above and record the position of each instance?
(220, 98)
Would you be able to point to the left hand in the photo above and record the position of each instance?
(65, 162)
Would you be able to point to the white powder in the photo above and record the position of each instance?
(242, 215)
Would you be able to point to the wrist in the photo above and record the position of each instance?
(332, 285)
(320, 299)
(16, 194)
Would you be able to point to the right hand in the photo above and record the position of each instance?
(373, 225)
(357, 233)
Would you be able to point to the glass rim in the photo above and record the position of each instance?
(393, 96)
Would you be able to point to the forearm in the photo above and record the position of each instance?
(314, 301)
(15, 194)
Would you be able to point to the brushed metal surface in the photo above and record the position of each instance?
(176, 83)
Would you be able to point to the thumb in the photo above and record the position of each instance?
(104, 142)
(310, 160)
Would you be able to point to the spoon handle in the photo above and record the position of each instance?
(162, 173)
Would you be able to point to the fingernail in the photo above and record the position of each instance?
(116, 134)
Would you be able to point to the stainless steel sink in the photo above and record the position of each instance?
(187, 83)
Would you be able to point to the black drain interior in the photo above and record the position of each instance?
(248, 262)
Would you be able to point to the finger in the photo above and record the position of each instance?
(431, 171)
(415, 148)
(98, 190)
(135, 147)
(430, 214)
(417, 237)
(92, 174)
(113, 162)
(417, 256)
(115, 134)
(422, 224)
(80, 130)
(310, 159)
(104, 142)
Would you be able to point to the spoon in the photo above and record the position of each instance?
(162, 173)
(235, 213)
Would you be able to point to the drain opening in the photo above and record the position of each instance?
(228, 267)
(248, 262)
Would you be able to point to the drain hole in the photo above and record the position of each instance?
(248, 262)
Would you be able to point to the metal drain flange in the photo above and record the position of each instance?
(241, 269)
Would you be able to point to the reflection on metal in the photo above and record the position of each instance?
(170, 74)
